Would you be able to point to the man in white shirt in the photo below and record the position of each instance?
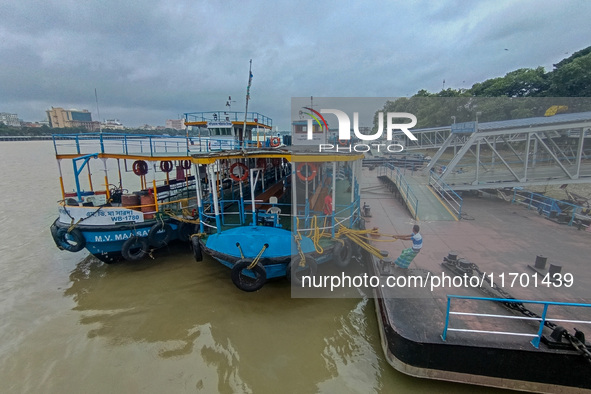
(407, 255)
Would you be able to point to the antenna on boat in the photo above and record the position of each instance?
(97, 111)
(247, 98)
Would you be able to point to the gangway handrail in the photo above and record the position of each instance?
(409, 197)
(452, 198)
(536, 337)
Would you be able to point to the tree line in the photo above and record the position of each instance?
(46, 130)
(523, 93)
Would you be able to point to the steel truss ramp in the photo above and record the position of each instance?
(517, 157)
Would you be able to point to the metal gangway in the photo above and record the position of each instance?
(512, 153)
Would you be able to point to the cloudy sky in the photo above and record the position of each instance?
(154, 60)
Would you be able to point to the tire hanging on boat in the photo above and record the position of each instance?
(72, 241)
(294, 276)
(342, 253)
(244, 172)
(196, 246)
(134, 248)
(159, 235)
(140, 167)
(185, 230)
(245, 282)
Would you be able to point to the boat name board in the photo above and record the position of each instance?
(99, 216)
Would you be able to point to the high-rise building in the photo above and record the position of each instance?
(66, 118)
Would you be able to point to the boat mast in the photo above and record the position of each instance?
(243, 134)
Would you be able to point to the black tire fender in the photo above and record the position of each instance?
(244, 282)
(72, 241)
(295, 275)
(134, 248)
(196, 246)
(342, 253)
(159, 235)
(185, 230)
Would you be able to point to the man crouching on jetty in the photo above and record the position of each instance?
(407, 255)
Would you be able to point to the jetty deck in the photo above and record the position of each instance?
(503, 240)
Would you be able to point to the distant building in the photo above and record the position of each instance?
(177, 124)
(9, 119)
(67, 118)
(113, 124)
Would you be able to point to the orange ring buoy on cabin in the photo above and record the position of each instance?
(166, 165)
(185, 164)
(140, 167)
(343, 142)
(312, 170)
(275, 142)
(244, 172)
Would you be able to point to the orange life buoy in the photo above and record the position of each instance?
(343, 142)
(185, 164)
(275, 142)
(244, 172)
(311, 171)
(140, 167)
(166, 165)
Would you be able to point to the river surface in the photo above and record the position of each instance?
(71, 324)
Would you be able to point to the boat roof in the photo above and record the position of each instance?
(160, 148)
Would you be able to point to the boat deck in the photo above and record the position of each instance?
(502, 240)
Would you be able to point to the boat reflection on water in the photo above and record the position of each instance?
(176, 308)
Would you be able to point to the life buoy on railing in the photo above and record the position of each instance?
(275, 142)
(134, 248)
(236, 177)
(246, 282)
(343, 142)
(262, 163)
(160, 234)
(166, 165)
(185, 164)
(311, 171)
(140, 167)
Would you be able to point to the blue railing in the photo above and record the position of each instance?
(144, 144)
(550, 207)
(228, 116)
(542, 319)
(453, 200)
(406, 192)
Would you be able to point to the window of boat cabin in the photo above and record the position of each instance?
(220, 131)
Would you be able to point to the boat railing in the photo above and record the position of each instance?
(542, 319)
(344, 215)
(144, 144)
(453, 200)
(227, 116)
(396, 176)
(550, 207)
